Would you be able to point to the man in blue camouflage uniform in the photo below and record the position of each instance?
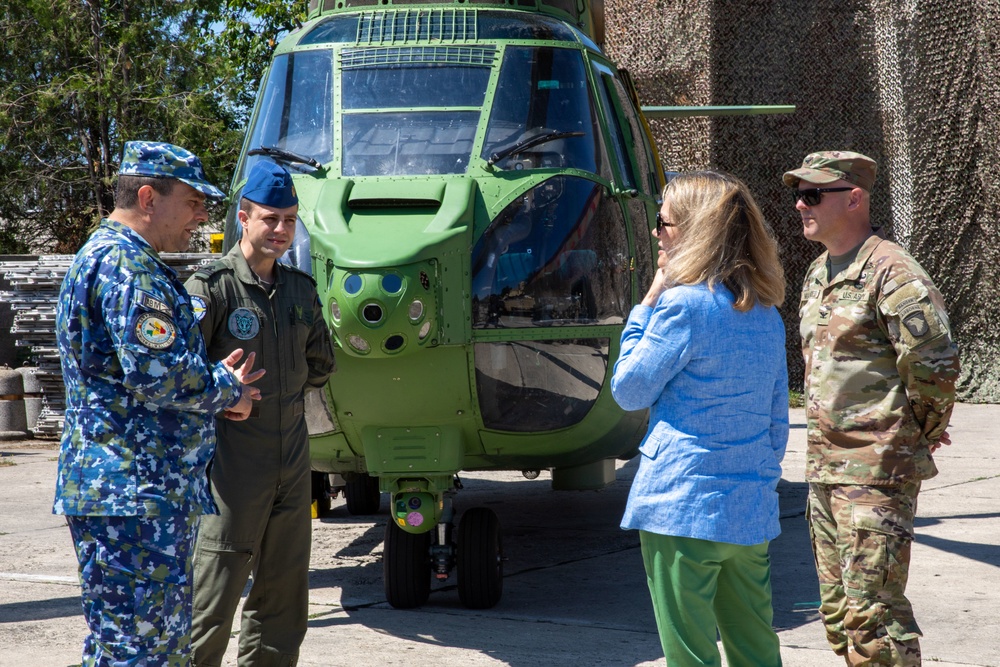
(141, 396)
(880, 379)
(261, 475)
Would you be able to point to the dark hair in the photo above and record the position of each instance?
(127, 189)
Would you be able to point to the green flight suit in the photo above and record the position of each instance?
(260, 475)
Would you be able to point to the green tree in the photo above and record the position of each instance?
(242, 38)
(78, 78)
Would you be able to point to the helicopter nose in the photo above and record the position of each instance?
(384, 312)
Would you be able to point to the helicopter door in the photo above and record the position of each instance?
(636, 195)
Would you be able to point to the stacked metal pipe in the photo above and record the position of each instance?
(34, 291)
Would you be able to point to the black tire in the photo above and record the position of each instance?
(479, 559)
(406, 567)
(362, 494)
(321, 493)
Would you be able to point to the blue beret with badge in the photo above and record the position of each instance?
(159, 160)
(271, 185)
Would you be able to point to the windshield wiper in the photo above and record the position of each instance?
(286, 156)
(525, 144)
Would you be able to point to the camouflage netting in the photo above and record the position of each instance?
(914, 85)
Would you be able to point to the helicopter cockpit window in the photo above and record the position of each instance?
(528, 386)
(411, 119)
(333, 29)
(643, 157)
(604, 80)
(544, 90)
(296, 110)
(556, 256)
(521, 25)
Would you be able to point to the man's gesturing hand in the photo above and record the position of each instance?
(241, 410)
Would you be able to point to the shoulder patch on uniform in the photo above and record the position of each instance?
(199, 307)
(916, 324)
(149, 302)
(154, 331)
(244, 323)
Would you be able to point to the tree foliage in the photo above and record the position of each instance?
(79, 78)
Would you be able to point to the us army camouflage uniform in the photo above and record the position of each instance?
(880, 385)
(261, 473)
(138, 435)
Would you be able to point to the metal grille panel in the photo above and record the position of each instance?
(413, 55)
(409, 25)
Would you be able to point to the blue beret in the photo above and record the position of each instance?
(270, 185)
(160, 160)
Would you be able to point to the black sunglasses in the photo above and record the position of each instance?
(813, 196)
(661, 223)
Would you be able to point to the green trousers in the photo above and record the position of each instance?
(700, 588)
(264, 530)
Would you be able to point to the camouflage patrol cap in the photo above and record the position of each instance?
(160, 160)
(830, 166)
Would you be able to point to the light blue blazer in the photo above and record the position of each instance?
(716, 383)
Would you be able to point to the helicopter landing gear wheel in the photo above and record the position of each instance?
(480, 559)
(362, 494)
(406, 567)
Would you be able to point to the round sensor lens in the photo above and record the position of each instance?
(353, 284)
(416, 310)
(391, 283)
(372, 313)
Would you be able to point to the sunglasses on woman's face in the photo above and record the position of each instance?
(661, 223)
(813, 196)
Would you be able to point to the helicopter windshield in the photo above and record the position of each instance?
(543, 90)
(406, 117)
(296, 109)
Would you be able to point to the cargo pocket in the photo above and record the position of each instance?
(878, 563)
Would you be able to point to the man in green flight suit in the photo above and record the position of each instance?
(880, 372)
(260, 475)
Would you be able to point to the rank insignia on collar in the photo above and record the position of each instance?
(244, 323)
(154, 331)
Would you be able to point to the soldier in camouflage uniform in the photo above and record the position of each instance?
(261, 473)
(141, 396)
(880, 372)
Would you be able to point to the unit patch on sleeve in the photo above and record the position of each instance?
(244, 323)
(199, 308)
(149, 302)
(154, 331)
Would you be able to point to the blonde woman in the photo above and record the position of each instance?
(705, 351)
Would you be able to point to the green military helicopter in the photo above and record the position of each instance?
(476, 190)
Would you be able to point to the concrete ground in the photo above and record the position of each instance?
(574, 590)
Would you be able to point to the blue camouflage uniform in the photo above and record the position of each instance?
(139, 433)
